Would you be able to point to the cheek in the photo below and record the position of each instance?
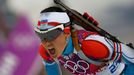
(43, 44)
(60, 43)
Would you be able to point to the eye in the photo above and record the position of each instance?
(59, 29)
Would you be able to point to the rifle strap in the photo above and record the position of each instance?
(75, 40)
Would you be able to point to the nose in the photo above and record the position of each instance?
(48, 44)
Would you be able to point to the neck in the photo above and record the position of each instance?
(69, 48)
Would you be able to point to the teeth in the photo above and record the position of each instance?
(50, 48)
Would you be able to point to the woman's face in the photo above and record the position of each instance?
(56, 46)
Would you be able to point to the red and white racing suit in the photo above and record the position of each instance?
(98, 55)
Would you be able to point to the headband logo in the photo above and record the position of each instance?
(42, 22)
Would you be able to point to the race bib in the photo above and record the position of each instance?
(113, 68)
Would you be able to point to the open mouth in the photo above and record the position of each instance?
(52, 51)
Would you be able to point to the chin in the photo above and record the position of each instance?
(56, 55)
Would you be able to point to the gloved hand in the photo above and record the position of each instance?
(44, 54)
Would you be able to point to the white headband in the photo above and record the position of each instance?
(60, 17)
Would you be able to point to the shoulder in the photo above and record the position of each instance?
(95, 46)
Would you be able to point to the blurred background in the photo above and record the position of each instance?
(19, 44)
